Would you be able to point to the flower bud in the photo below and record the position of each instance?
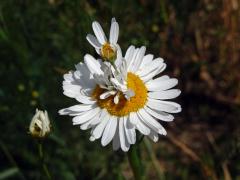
(40, 124)
(108, 52)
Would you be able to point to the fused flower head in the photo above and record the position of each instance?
(116, 99)
(107, 49)
(40, 124)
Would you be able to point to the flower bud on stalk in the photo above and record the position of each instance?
(108, 52)
(40, 124)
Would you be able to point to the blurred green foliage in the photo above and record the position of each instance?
(41, 40)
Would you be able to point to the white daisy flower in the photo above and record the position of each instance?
(116, 100)
(107, 49)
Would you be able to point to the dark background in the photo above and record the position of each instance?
(200, 41)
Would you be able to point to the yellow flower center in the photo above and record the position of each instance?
(124, 106)
(108, 52)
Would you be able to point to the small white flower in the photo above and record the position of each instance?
(40, 124)
(116, 99)
(107, 49)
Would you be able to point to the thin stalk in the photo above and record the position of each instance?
(41, 155)
(135, 162)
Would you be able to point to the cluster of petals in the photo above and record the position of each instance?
(113, 78)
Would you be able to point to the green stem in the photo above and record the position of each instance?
(44, 166)
(135, 162)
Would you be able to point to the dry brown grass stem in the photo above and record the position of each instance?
(208, 171)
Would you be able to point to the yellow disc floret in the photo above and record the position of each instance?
(124, 106)
(108, 52)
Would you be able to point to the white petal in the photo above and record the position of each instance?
(152, 67)
(159, 59)
(84, 99)
(75, 83)
(84, 78)
(86, 125)
(91, 123)
(159, 114)
(86, 116)
(151, 122)
(109, 131)
(123, 68)
(68, 76)
(153, 73)
(114, 31)
(70, 113)
(93, 41)
(129, 124)
(76, 108)
(146, 61)
(98, 31)
(130, 131)
(161, 78)
(138, 59)
(71, 90)
(161, 84)
(107, 94)
(142, 127)
(92, 138)
(119, 59)
(153, 136)
(98, 51)
(123, 141)
(118, 85)
(133, 118)
(100, 127)
(156, 64)
(116, 139)
(169, 94)
(92, 64)
(100, 80)
(128, 94)
(116, 99)
(132, 60)
(99, 118)
(165, 106)
(129, 54)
